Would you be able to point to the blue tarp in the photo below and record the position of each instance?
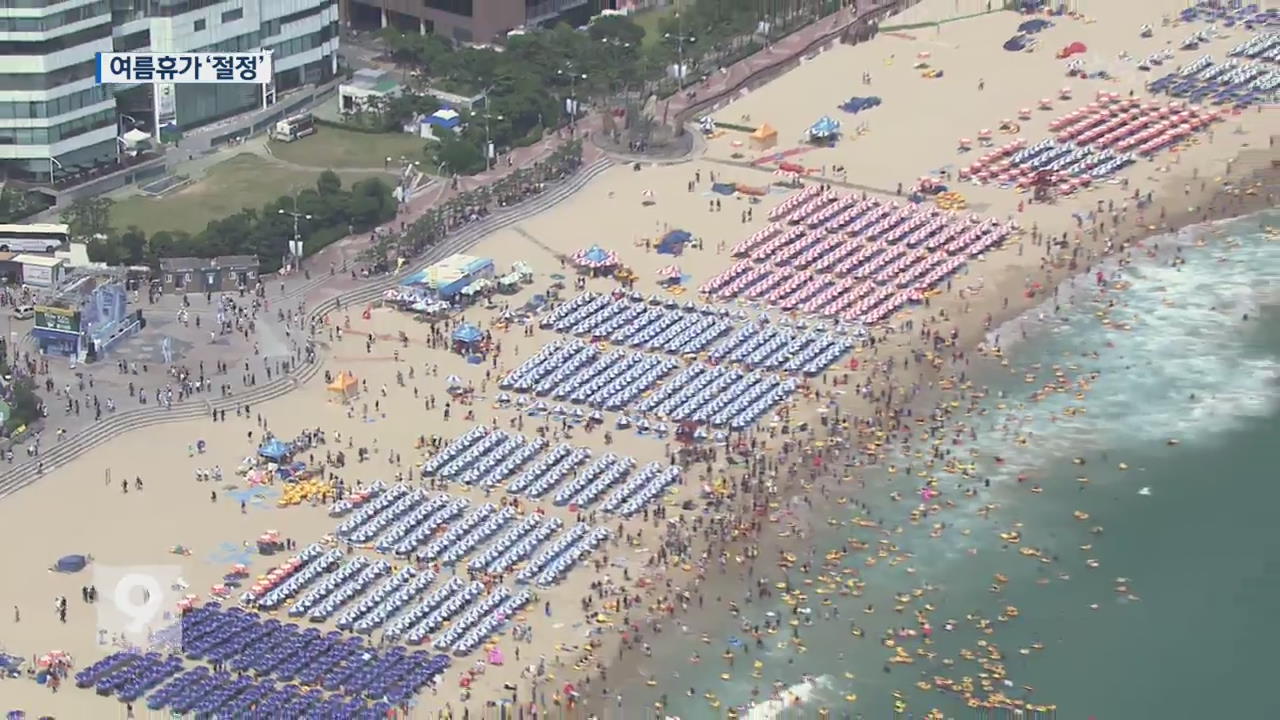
(274, 450)
(468, 333)
(417, 278)
(1017, 43)
(825, 127)
(673, 242)
(1034, 26)
(858, 104)
(71, 563)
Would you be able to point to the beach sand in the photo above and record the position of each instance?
(77, 509)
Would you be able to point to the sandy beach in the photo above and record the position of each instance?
(82, 508)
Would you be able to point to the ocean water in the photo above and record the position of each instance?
(1159, 574)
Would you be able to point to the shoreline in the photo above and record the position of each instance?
(1211, 204)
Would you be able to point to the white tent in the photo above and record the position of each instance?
(134, 138)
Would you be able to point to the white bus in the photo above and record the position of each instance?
(33, 238)
(292, 128)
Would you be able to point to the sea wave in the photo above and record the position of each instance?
(802, 694)
(1174, 359)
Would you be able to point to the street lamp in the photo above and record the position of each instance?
(488, 142)
(573, 76)
(296, 248)
(680, 39)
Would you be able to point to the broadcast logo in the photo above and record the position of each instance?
(138, 602)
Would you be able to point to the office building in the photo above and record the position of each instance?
(56, 124)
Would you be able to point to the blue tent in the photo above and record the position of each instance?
(468, 333)
(71, 563)
(824, 128)
(273, 449)
(596, 255)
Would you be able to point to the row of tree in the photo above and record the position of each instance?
(470, 205)
(328, 212)
(541, 76)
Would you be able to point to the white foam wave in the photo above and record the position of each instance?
(1185, 368)
(799, 695)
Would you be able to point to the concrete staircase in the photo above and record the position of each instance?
(24, 470)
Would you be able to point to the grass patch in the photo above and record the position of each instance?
(337, 148)
(244, 180)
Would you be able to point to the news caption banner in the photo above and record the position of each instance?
(189, 68)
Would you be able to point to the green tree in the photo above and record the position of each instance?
(133, 243)
(164, 244)
(616, 28)
(25, 408)
(328, 183)
(88, 217)
(462, 157)
(107, 249)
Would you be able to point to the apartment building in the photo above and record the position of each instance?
(463, 21)
(55, 122)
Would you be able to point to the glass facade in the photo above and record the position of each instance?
(56, 20)
(59, 43)
(59, 132)
(53, 108)
(202, 104)
(49, 80)
(192, 105)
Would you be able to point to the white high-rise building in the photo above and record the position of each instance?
(55, 121)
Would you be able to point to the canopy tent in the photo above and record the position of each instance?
(673, 242)
(824, 128)
(71, 563)
(670, 273)
(468, 333)
(273, 449)
(595, 257)
(509, 282)
(134, 139)
(344, 386)
(764, 137)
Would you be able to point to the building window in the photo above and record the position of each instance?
(61, 42)
(62, 131)
(199, 25)
(232, 15)
(56, 20)
(23, 110)
(132, 41)
(48, 80)
(455, 7)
